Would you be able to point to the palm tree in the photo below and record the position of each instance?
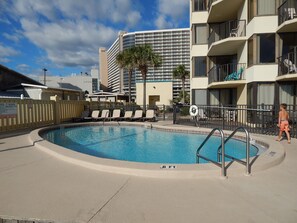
(144, 58)
(125, 60)
(180, 72)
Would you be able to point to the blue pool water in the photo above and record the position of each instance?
(140, 144)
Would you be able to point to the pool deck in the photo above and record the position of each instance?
(36, 185)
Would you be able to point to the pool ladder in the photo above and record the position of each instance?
(221, 155)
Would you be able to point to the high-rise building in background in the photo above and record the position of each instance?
(243, 52)
(173, 45)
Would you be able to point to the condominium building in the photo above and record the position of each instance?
(173, 45)
(243, 52)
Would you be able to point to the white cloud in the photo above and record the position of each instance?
(6, 52)
(133, 18)
(13, 37)
(69, 43)
(170, 12)
(161, 22)
(23, 66)
(70, 32)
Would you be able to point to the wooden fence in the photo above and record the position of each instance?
(22, 114)
(17, 114)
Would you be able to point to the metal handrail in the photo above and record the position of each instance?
(247, 162)
(222, 164)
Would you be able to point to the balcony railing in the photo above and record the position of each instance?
(226, 72)
(287, 11)
(235, 28)
(287, 64)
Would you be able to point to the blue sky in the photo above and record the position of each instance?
(64, 35)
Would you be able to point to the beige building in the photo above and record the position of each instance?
(156, 93)
(243, 52)
(173, 45)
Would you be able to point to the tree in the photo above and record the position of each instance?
(145, 57)
(180, 72)
(125, 60)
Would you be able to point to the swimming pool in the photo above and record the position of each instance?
(139, 144)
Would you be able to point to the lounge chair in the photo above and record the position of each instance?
(116, 115)
(104, 115)
(94, 115)
(127, 116)
(150, 115)
(236, 75)
(137, 116)
(291, 67)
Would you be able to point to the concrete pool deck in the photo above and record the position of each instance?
(34, 184)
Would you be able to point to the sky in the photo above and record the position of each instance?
(64, 36)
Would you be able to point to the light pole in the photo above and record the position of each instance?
(44, 75)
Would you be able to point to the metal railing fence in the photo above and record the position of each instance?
(233, 28)
(287, 11)
(287, 64)
(260, 119)
(226, 72)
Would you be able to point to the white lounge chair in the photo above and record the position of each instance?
(104, 115)
(137, 115)
(116, 115)
(94, 115)
(291, 67)
(127, 116)
(150, 115)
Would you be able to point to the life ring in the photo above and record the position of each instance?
(193, 110)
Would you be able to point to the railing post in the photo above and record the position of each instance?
(164, 112)
(248, 168)
(223, 168)
(174, 114)
(262, 117)
(223, 126)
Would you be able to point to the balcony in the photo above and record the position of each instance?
(287, 66)
(287, 16)
(226, 75)
(223, 10)
(225, 38)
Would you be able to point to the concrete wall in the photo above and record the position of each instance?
(262, 24)
(261, 73)
(162, 89)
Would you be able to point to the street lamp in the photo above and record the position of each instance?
(44, 75)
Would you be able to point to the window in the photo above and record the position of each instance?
(199, 66)
(199, 96)
(266, 7)
(250, 93)
(265, 93)
(214, 97)
(288, 93)
(261, 49)
(199, 34)
(199, 5)
(251, 51)
(267, 48)
(261, 8)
